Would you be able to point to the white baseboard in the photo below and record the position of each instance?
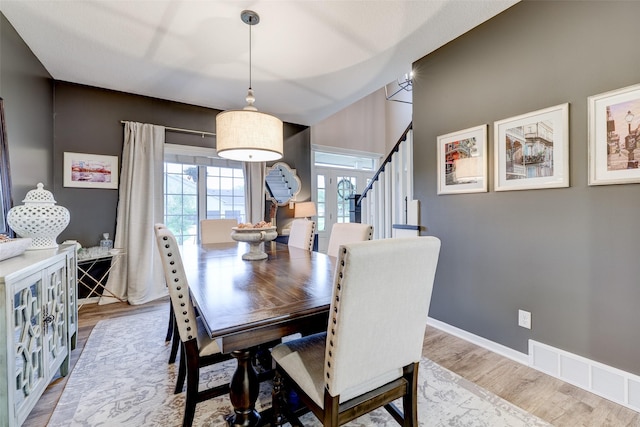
(611, 383)
(608, 382)
(482, 342)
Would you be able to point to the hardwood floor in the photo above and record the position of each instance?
(555, 401)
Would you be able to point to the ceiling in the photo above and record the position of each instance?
(310, 59)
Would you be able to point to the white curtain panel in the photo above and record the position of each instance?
(254, 176)
(139, 279)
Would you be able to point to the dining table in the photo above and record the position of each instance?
(248, 304)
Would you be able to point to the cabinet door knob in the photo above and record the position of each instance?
(47, 318)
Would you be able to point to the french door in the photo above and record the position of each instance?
(332, 189)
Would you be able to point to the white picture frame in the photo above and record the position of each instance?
(531, 151)
(462, 161)
(614, 131)
(83, 170)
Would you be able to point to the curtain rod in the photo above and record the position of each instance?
(197, 132)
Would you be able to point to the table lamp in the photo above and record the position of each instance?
(305, 210)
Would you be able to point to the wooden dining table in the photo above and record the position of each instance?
(246, 304)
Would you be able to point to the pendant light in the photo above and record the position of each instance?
(248, 135)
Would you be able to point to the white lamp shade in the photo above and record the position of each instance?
(248, 136)
(305, 210)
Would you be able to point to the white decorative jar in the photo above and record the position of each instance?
(39, 218)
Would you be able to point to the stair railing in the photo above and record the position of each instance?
(384, 164)
(388, 191)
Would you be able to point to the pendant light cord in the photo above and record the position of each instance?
(250, 25)
(250, 18)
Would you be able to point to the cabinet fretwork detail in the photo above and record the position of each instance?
(40, 321)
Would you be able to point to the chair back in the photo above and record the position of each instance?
(347, 232)
(216, 230)
(176, 279)
(301, 234)
(381, 296)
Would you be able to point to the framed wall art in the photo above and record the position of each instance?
(614, 131)
(462, 161)
(90, 171)
(532, 150)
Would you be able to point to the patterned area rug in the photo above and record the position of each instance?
(123, 379)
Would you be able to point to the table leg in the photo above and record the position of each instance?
(244, 392)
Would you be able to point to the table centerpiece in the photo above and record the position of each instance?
(255, 235)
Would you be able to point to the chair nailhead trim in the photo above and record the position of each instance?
(334, 317)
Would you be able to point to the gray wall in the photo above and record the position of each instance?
(87, 120)
(26, 88)
(569, 256)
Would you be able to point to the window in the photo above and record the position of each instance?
(199, 185)
(181, 200)
(225, 193)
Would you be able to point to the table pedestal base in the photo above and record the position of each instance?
(244, 392)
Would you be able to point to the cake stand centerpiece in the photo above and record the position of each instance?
(255, 235)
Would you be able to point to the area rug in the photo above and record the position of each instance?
(122, 378)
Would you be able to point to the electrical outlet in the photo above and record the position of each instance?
(524, 319)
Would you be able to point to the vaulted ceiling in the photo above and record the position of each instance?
(310, 59)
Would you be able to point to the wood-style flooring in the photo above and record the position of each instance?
(555, 401)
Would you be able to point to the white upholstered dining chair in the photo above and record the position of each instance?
(302, 234)
(172, 332)
(217, 230)
(347, 232)
(371, 351)
(211, 231)
(198, 349)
